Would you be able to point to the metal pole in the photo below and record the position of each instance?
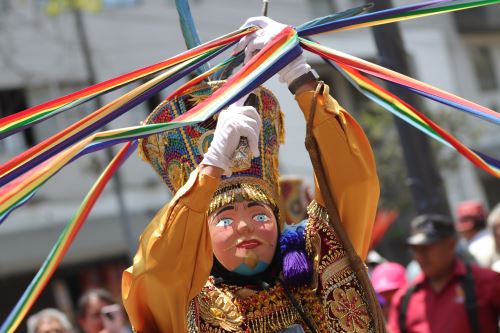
(116, 181)
(265, 7)
(425, 182)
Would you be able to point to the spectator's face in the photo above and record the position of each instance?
(92, 321)
(244, 236)
(437, 258)
(50, 325)
(465, 228)
(113, 318)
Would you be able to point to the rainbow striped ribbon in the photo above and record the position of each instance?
(351, 67)
(265, 64)
(24, 119)
(417, 119)
(54, 144)
(271, 59)
(63, 243)
(392, 15)
(403, 80)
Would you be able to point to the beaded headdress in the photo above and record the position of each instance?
(174, 154)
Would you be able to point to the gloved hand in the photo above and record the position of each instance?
(235, 122)
(256, 41)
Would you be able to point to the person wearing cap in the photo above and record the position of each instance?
(387, 278)
(220, 257)
(471, 224)
(448, 295)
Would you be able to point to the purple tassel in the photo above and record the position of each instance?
(297, 268)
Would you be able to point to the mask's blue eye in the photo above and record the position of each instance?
(224, 222)
(261, 218)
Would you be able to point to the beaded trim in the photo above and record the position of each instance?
(176, 153)
(265, 311)
(315, 210)
(334, 269)
(193, 316)
(242, 188)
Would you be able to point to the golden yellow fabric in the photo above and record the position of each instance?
(173, 261)
(174, 258)
(348, 161)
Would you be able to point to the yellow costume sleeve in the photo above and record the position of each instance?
(173, 261)
(349, 164)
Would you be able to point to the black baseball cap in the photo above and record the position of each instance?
(430, 228)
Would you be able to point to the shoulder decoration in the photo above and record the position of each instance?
(345, 300)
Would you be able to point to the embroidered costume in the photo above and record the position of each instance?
(169, 288)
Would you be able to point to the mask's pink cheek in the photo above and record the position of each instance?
(268, 232)
(226, 252)
(222, 239)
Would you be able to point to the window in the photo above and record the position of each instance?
(12, 101)
(484, 68)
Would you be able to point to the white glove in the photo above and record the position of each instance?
(233, 123)
(256, 41)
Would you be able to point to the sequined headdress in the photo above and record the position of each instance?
(174, 154)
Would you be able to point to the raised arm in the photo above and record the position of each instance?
(348, 161)
(173, 261)
(346, 155)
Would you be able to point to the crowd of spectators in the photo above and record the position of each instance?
(454, 280)
(452, 284)
(97, 312)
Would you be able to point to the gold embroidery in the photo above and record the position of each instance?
(351, 310)
(314, 210)
(261, 311)
(244, 188)
(333, 269)
(218, 309)
(343, 298)
(338, 305)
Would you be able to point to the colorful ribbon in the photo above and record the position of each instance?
(24, 119)
(63, 243)
(409, 114)
(188, 28)
(394, 15)
(269, 60)
(65, 138)
(403, 80)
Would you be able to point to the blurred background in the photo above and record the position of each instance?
(49, 48)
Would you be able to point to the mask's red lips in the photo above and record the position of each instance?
(249, 244)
